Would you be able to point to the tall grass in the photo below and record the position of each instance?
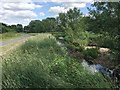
(41, 63)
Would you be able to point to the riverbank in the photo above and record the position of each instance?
(101, 63)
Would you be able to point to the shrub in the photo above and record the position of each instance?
(91, 53)
(7, 29)
(113, 56)
(106, 41)
(68, 39)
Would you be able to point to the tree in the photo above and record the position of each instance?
(71, 18)
(14, 27)
(19, 28)
(105, 20)
(49, 24)
(105, 17)
(37, 26)
(26, 29)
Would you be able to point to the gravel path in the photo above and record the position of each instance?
(14, 40)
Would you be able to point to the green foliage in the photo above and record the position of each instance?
(101, 16)
(74, 26)
(68, 20)
(9, 35)
(107, 41)
(68, 39)
(45, 65)
(81, 38)
(113, 57)
(12, 28)
(75, 47)
(91, 53)
(37, 26)
(19, 28)
(7, 29)
(58, 34)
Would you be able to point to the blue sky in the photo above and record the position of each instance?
(24, 12)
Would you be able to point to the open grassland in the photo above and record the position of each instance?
(9, 36)
(41, 63)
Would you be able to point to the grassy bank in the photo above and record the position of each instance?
(41, 63)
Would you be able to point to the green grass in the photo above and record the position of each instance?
(11, 46)
(41, 63)
(9, 36)
(31, 34)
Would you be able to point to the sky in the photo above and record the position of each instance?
(23, 11)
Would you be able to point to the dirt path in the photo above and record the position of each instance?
(14, 40)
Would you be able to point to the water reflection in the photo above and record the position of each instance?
(60, 44)
(97, 68)
(61, 38)
(88, 67)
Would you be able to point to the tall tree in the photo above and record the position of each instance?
(49, 24)
(70, 18)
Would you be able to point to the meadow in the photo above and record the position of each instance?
(41, 63)
(9, 36)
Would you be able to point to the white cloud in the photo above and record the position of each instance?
(56, 1)
(66, 5)
(16, 1)
(20, 6)
(41, 14)
(72, 1)
(19, 14)
(57, 9)
(56, 15)
(72, 5)
(14, 12)
(26, 22)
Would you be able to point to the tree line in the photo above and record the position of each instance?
(12, 28)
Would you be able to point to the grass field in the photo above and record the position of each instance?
(9, 36)
(5, 49)
(41, 63)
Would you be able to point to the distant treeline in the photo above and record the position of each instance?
(37, 26)
(12, 28)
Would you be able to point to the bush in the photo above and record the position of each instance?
(91, 53)
(113, 56)
(7, 29)
(58, 34)
(107, 41)
(68, 39)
